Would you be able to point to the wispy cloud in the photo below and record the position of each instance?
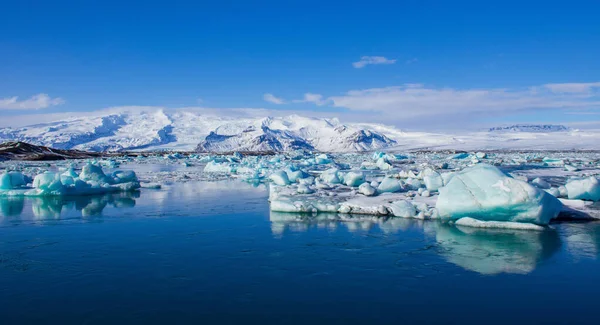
(416, 100)
(272, 99)
(38, 101)
(572, 88)
(366, 60)
(312, 98)
(411, 61)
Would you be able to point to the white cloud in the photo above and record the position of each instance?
(416, 100)
(312, 98)
(366, 60)
(411, 61)
(38, 101)
(572, 87)
(272, 99)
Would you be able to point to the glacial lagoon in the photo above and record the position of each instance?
(188, 254)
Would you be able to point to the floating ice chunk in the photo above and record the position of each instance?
(426, 193)
(432, 179)
(70, 172)
(584, 189)
(303, 189)
(553, 191)
(215, 167)
(280, 178)
(91, 172)
(306, 181)
(481, 155)
(124, 176)
(462, 155)
(331, 176)
(562, 191)
(322, 159)
(447, 176)
(12, 180)
(570, 168)
(470, 222)
(553, 161)
(383, 164)
(296, 175)
(540, 183)
(485, 193)
(389, 185)
(366, 189)
(403, 209)
(48, 181)
(413, 183)
(354, 179)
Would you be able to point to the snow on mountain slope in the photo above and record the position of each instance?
(153, 129)
(180, 130)
(291, 133)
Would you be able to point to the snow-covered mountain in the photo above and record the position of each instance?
(155, 129)
(291, 133)
(183, 130)
(530, 128)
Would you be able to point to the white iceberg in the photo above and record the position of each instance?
(485, 193)
(583, 189)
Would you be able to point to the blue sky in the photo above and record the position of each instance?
(438, 60)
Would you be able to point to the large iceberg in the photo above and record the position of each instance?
(485, 193)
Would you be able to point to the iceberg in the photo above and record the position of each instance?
(331, 176)
(485, 193)
(403, 209)
(91, 180)
(280, 178)
(354, 179)
(583, 189)
(366, 189)
(389, 185)
(12, 180)
(432, 179)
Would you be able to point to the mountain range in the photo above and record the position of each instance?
(156, 129)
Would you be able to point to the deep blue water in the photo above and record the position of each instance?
(207, 253)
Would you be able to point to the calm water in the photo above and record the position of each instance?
(212, 253)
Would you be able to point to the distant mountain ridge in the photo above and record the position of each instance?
(530, 128)
(187, 131)
(156, 129)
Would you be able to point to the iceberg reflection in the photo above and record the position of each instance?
(582, 240)
(494, 251)
(11, 206)
(486, 251)
(295, 222)
(54, 207)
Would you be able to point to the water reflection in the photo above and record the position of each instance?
(486, 251)
(282, 222)
(55, 207)
(582, 240)
(12, 206)
(494, 251)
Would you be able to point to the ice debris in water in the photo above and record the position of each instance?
(484, 192)
(91, 180)
(584, 189)
(378, 184)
